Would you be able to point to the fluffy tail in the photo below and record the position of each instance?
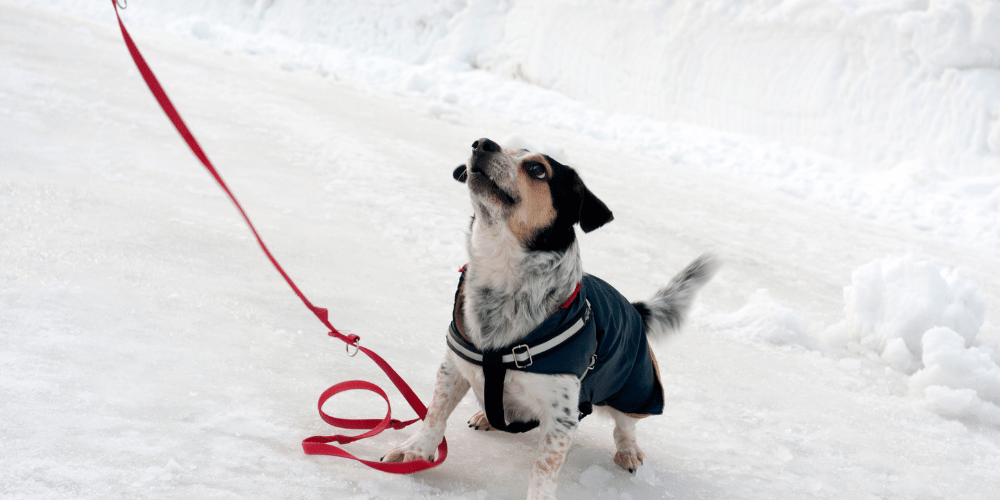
(667, 309)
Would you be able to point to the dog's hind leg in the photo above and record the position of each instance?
(628, 455)
(449, 389)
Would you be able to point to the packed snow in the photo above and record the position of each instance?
(842, 158)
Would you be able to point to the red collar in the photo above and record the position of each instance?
(571, 297)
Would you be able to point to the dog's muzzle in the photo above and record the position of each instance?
(481, 152)
(480, 163)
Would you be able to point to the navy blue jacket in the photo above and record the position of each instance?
(624, 375)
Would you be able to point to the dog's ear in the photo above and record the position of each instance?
(575, 201)
(593, 212)
(460, 174)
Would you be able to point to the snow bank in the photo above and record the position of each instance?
(873, 82)
(928, 322)
(907, 93)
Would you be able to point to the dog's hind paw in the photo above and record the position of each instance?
(629, 459)
(479, 422)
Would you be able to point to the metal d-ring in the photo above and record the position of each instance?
(122, 4)
(357, 347)
(593, 362)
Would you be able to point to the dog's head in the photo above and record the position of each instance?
(538, 198)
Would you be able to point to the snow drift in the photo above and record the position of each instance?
(928, 322)
(916, 318)
(892, 303)
(878, 83)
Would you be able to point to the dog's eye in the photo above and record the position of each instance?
(536, 170)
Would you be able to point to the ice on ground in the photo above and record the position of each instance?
(595, 477)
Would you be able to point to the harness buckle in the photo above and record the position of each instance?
(524, 352)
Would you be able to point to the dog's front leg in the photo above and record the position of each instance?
(558, 420)
(448, 391)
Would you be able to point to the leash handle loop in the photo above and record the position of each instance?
(320, 445)
(317, 445)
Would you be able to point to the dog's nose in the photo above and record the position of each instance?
(485, 144)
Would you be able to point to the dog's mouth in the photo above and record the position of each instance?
(481, 182)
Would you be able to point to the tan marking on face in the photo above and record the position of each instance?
(534, 211)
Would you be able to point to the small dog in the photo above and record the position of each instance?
(538, 341)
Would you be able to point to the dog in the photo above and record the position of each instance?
(541, 343)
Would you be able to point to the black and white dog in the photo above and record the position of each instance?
(539, 342)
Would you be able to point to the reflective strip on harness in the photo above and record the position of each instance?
(521, 354)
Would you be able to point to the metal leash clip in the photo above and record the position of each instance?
(357, 347)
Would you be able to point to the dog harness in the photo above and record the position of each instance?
(598, 336)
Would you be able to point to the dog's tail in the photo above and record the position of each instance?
(666, 311)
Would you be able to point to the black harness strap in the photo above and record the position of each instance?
(520, 357)
(495, 372)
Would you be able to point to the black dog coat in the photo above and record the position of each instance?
(600, 337)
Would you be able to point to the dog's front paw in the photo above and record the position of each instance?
(629, 458)
(479, 422)
(418, 447)
(540, 496)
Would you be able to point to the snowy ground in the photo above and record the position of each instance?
(147, 350)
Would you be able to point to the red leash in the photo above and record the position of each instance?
(317, 445)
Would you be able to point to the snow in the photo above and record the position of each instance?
(762, 317)
(957, 380)
(902, 298)
(925, 321)
(880, 82)
(901, 97)
(848, 348)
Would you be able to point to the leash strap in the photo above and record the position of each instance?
(317, 445)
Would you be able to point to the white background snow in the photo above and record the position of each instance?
(842, 157)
